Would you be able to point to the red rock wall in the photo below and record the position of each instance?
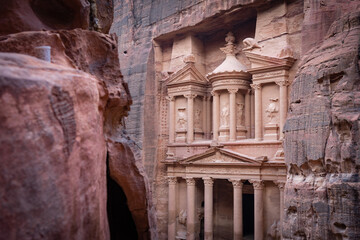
(53, 183)
(56, 119)
(322, 135)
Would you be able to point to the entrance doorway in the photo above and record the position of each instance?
(248, 211)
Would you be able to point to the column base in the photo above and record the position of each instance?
(199, 134)
(240, 132)
(271, 131)
(180, 136)
(224, 134)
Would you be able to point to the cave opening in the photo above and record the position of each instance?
(121, 223)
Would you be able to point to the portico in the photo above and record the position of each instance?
(216, 164)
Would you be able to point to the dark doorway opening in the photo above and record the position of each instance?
(248, 214)
(121, 223)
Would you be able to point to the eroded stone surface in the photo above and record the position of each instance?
(53, 153)
(321, 139)
(19, 15)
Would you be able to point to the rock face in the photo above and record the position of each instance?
(19, 15)
(322, 139)
(52, 152)
(55, 121)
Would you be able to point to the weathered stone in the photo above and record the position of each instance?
(52, 151)
(18, 15)
(321, 138)
(126, 169)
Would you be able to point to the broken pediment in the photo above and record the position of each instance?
(188, 75)
(220, 156)
(260, 61)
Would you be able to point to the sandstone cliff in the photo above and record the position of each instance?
(322, 138)
(61, 121)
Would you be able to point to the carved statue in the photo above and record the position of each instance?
(272, 110)
(273, 232)
(197, 118)
(181, 229)
(250, 43)
(240, 112)
(181, 122)
(224, 117)
(182, 217)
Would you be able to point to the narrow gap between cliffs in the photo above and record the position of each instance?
(121, 223)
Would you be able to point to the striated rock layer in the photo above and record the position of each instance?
(53, 174)
(322, 139)
(55, 121)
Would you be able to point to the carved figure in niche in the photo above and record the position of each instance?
(181, 232)
(240, 116)
(250, 43)
(273, 233)
(224, 117)
(197, 118)
(181, 122)
(272, 110)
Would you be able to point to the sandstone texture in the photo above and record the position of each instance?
(127, 170)
(19, 15)
(322, 138)
(56, 119)
(53, 174)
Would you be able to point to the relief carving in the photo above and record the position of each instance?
(240, 114)
(224, 117)
(197, 119)
(181, 122)
(272, 110)
(250, 43)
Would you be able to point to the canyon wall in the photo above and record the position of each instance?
(321, 132)
(60, 122)
(322, 129)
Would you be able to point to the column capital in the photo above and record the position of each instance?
(190, 181)
(232, 90)
(208, 181)
(214, 93)
(256, 86)
(249, 91)
(280, 184)
(282, 83)
(171, 179)
(170, 98)
(237, 183)
(190, 95)
(257, 184)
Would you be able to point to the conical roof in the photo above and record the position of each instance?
(230, 64)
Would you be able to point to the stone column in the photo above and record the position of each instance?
(258, 111)
(216, 114)
(190, 205)
(208, 213)
(208, 117)
(248, 113)
(283, 105)
(204, 112)
(190, 117)
(232, 101)
(258, 210)
(238, 214)
(281, 186)
(172, 208)
(171, 118)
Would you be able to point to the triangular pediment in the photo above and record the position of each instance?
(261, 61)
(220, 156)
(186, 76)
